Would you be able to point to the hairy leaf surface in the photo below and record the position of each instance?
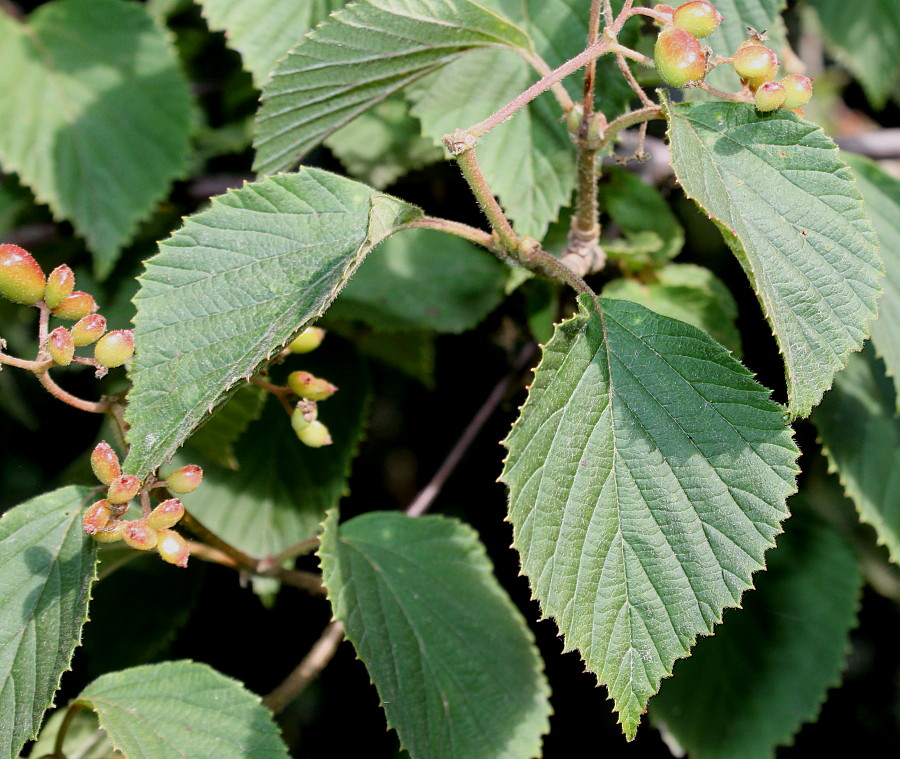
(233, 286)
(454, 663)
(648, 474)
(792, 214)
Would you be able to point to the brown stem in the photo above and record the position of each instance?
(471, 171)
(734, 97)
(632, 82)
(656, 15)
(301, 548)
(478, 236)
(21, 363)
(43, 324)
(543, 68)
(278, 391)
(99, 407)
(208, 553)
(628, 120)
(534, 258)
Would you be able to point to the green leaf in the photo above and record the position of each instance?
(421, 279)
(263, 31)
(791, 212)
(81, 737)
(454, 663)
(233, 286)
(648, 474)
(860, 432)
(281, 490)
(410, 351)
(688, 293)
(360, 56)
(749, 688)
(96, 118)
(881, 192)
(864, 38)
(46, 570)
(216, 438)
(182, 708)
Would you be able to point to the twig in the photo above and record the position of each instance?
(278, 391)
(98, 407)
(473, 234)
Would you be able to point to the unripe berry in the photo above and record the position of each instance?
(185, 480)
(166, 515)
(697, 17)
(679, 57)
(123, 488)
(315, 435)
(173, 548)
(574, 117)
(75, 306)
(310, 387)
(305, 413)
(769, 97)
(88, 329)
(60, 346)
(97, 516)
(21, 279)
(111, 533)
(140, 535)
(797, 90)
(60, 283)
(115, 348)
(308, 340)
(755, 61)
(105, 463)
(665, 10)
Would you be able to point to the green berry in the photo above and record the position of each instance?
(755, 61)
(697, 17)
(60, 346)
(166, 515)
(140, 535)
(97, 516)
(115, 348)
(679, 57)
(797, 90)
(315, 435)
(305, 413)
(75, 306)
(60, 283)
(123, 488)
(21, 279)
(89, 329)
(310, 387)
(185, 480)
(111, 533)
(173, 548)
(105, 463)
(769, 97)
(308, 340)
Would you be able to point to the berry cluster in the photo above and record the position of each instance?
(310, 389)
(103, 519)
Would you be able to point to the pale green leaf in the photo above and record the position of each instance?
(263, 31)
(648, 474)
(421, 279)
(94, 115)
(748, 689)
(46, 570)
(454, 663)
(233, 286)
(84, 739)
(793, 216)
(182, 708)
(860, 432)
(360, 56)
(881, 192)
(216, 438)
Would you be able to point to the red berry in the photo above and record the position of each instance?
(60, 284)
(755, 61)
(797, 89)
(60, 346)
(315, 435)
(769, 97)
(111, 533)
(166, 514)
(185, 480)
(21, 279)
(140, 535)
(75, 306)
(697, 17)
(310, 387)
(679, 57)
(308, 340)
(97, 516)
(173, 548)
(105, 463)
(115, 348)
(123, 488)
(88, 329)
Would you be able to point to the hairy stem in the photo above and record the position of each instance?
(471, 171)
(278, 391)
(543, 68)
(633, 118)
(94, 407)
(21, 363)
(472, 234)
(734, 97)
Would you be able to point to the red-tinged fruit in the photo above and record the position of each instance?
(111, 534)
(755, 62)
(310, 387)
(666, 11)
(123, 488)
(89, 329)
(173, 548)
(315, 435)
(166, 515)
(105, 463)
(679, 57)
(308, 340)
(797, 90)
(769, 97)
(115, 348)
(60, 346)
(697, 17)
(140, 535)
(21, 278)
(97, 516)
(185, 480)
(60, 283)
(76, 306)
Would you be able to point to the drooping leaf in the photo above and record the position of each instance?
(182, 708)
(94, 115)
(749, 688)
(688, 293)
(263, 31)
(881, 192)
(791, 212)
(860, 431)
(648, 474)
(216, 438)
(233, 286)
(421, 279)
(453, 661)
(46, 570)
(359, 57)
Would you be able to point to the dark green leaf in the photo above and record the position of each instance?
(216, 438)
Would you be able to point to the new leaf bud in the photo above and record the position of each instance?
(75, 306)
(60, 283)
(310, 387)
(173, 548)
(88, 329)
(123, 489)
(105, 463)
(308, 340)
(185, 480)
(60, 346)
(115, 348)
(166, 515)
(21, 278)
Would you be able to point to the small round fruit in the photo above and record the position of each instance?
(755, 62)
(679, 57)
(769, 97)
(308, 340)
(105, 463)
(111, 533)
(97, 516)
(697, 17)
(797, 90)
(60, 283)
(89, 329)
(315, 435)
(75, 306)
(185, 480)
(140, 535)
(21, 278)
(305, 413)
(310, 387)
(60, 346)
(173, 548)
(123, 489)
(166, 515)
(115, 348)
